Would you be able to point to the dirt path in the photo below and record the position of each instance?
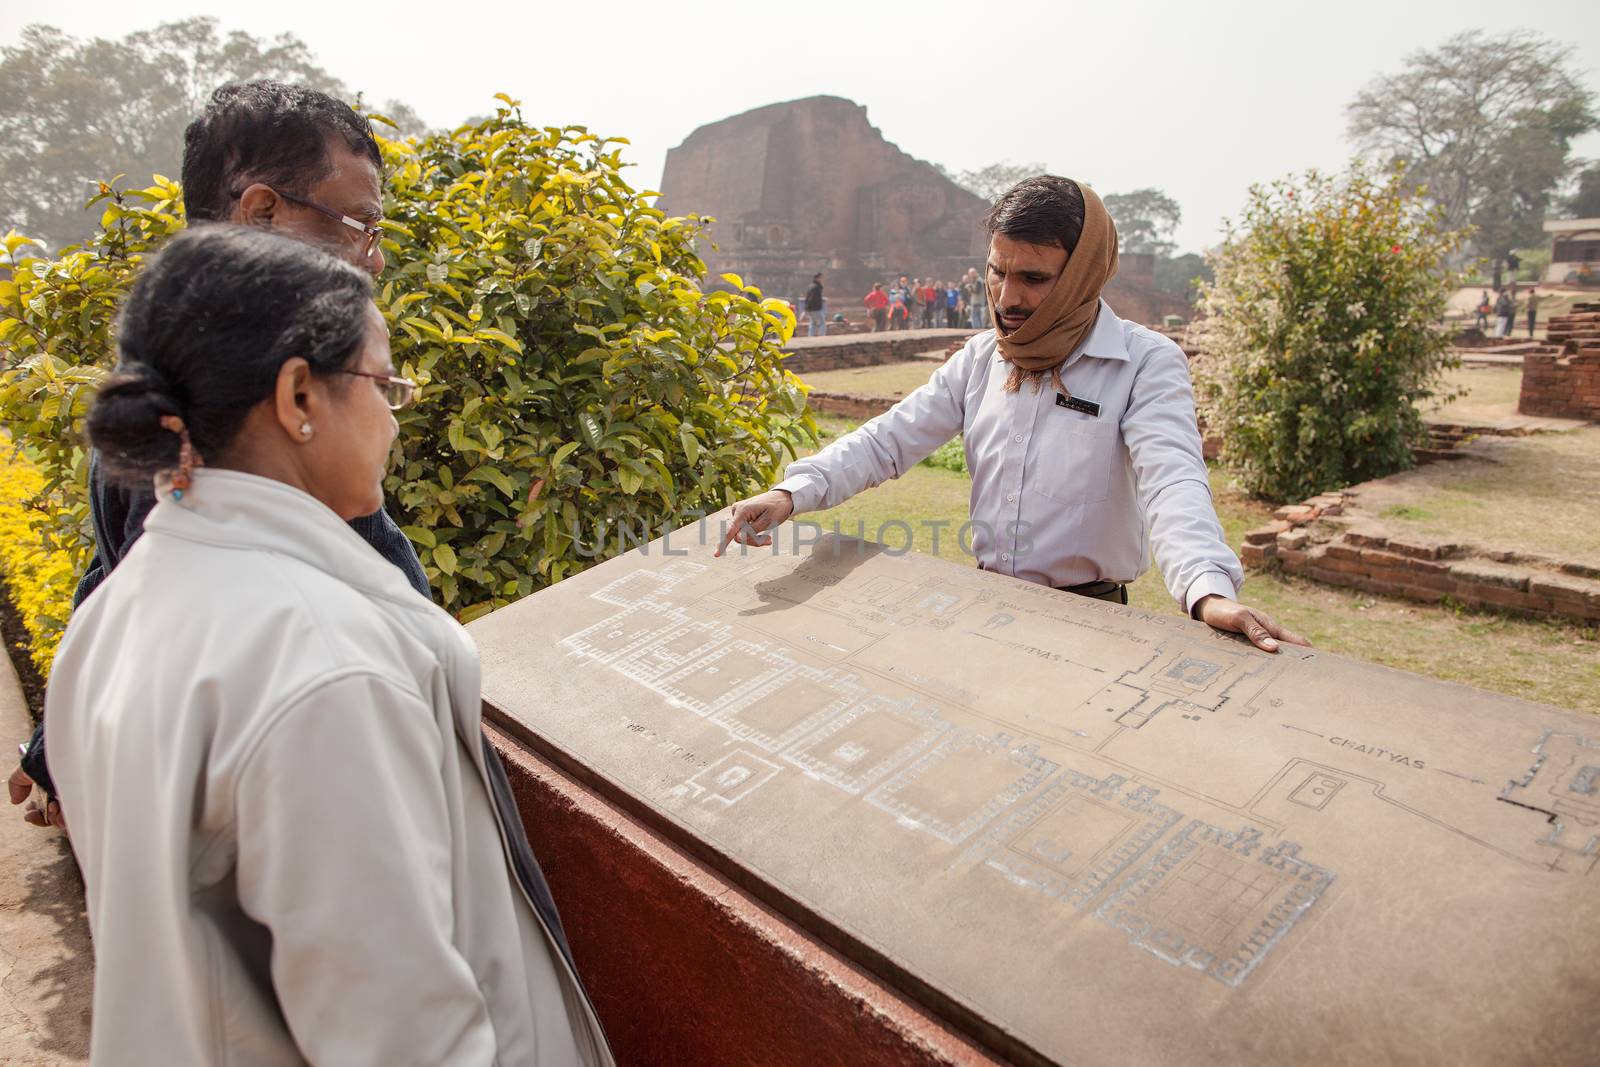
(46, 964)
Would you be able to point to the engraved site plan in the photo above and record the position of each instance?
(1079, 832)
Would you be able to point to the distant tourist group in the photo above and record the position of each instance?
(910, 303)
(1503, 308)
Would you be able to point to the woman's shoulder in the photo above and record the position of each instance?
(309, 619)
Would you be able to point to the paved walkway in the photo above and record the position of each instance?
(46, 963)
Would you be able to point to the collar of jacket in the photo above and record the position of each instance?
(234, 509)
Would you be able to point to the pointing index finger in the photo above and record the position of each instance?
(728, 534)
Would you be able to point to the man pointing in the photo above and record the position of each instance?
(1079, 430)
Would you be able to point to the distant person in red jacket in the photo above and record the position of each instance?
(899, 308)
(878, 304)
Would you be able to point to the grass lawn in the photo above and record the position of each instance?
(1551, 662)
(888, 379)
(1486, 394)
(1540, 494)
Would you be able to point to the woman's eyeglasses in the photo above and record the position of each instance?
(372, 232)
(397, 392)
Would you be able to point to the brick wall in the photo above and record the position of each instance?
(723, 975)
(1565, 385)
(1417, 568)
(850, 405)
(809, 355)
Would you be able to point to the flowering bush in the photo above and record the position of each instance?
(40, 580)
(1322, 332)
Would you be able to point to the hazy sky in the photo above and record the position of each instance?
(1199, 100)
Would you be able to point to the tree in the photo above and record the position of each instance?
(1485, 124)
(991, 181)
(1180, 275)
(1584, 203)
(75, 111)
(1146, 220)
(1320, 332)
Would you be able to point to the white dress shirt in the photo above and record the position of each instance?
(1059, 497)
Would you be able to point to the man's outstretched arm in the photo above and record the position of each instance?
(883, 448)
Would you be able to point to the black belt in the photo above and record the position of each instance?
(1116, 592)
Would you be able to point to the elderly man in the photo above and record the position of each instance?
(294, 160)
(1079, 430)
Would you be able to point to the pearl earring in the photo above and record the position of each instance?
(305, 429)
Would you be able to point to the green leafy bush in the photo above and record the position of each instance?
(580, 392)
(950, 456)
(1322, 332)
(55, 346)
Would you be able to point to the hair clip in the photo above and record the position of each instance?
(188, 458)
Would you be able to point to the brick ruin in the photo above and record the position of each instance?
(1309, 540)
(1566, 384)
(872, 350)
(811, 185)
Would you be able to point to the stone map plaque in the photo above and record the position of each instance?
(1081, 833)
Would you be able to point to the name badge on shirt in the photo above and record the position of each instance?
(1076, 403)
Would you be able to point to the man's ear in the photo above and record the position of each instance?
(257, 206)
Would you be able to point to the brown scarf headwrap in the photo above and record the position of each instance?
(1059, 324)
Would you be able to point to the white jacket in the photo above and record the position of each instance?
(267, 747)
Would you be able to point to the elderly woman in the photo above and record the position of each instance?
(320, 873)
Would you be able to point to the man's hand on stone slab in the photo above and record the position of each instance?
(751, 519)
(20, 787)
(1220, 613)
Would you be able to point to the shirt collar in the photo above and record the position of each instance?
(1106, 340)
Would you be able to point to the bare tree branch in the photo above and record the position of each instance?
(1485, 123)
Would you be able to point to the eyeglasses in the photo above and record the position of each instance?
(397, 392)
(372, 232)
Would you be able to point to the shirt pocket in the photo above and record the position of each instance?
(1069, 459)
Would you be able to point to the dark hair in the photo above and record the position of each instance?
(210, 321)
(1044, 210)
(265, 131)
(814, 277)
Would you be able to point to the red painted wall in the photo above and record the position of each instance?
(684, 968)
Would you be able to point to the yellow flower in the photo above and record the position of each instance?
(40, 580)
